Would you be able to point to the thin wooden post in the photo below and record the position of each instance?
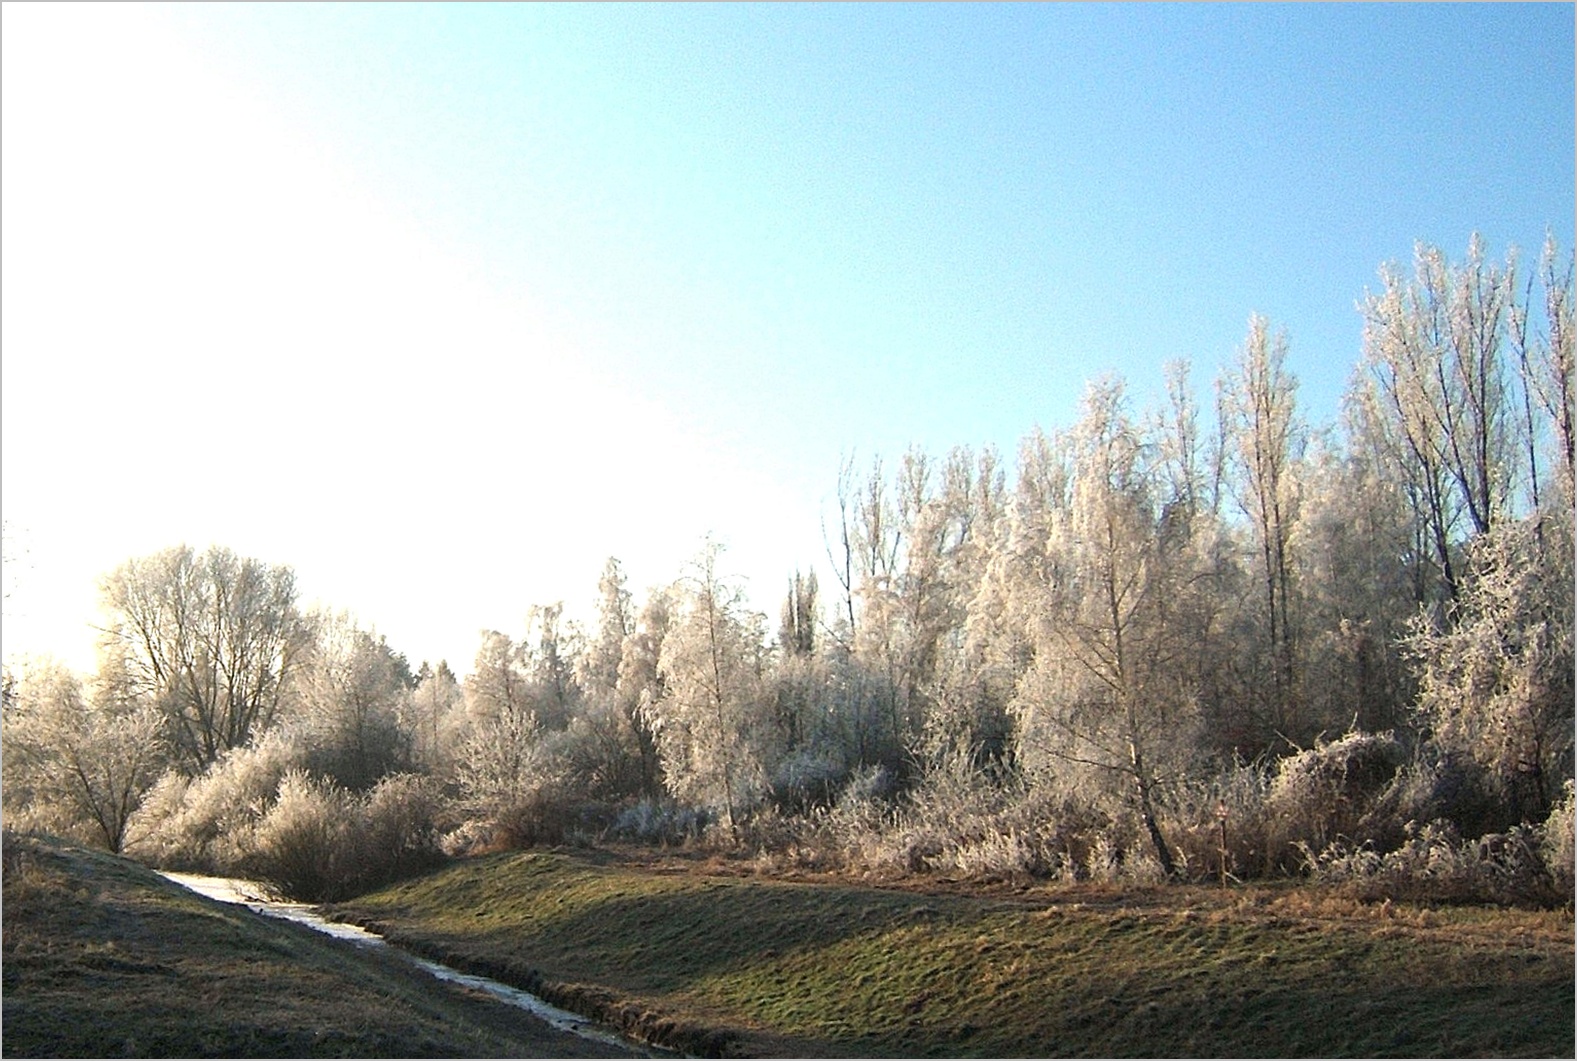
(1221, 814)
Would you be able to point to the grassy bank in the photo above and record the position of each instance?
(103, 958)
(717, 961)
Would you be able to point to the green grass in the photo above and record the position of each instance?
(103, 958)
(716, 961)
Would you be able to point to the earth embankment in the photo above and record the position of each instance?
(104, 958)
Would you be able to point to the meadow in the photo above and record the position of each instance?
(707, 955)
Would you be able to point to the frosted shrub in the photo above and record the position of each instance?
(1193, 821)
(953, 806)
(865, 801)
(152, 834)
(654, 822)
(319, 842)
(851, 830)
(258, 812)
(468, 838)
(1333, 790)
(542, 814)
(1115, 850)
(963, 821)
(783, 839)
(77, 760)
(515, 785)
(45, 817)
(1442, 784)
(1434, 864)
(205, 824)
(1103, 863)
(1011, 853)
(959, 820)
(1496, 683)
(399, 828)
(1341, 862)
(301, 846)
(1141, 867)
(805, 778)
(1556, 846)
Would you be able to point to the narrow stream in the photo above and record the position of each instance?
(244, 893)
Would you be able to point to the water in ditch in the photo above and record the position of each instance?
(244, 893)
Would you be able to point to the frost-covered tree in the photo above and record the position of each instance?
(1359, 591)
(797, 632)
(1265, 445)
(1108, 622)
(1437, 386)
(505, 772)
(1000, 614)
(501, 760)
(1498, 682)
(355, 701)
(599, 674)
(797, 676)
(643, 684)
(500, 684)
(211, 639)
(964, 713)
(875, 644)
(550, 653)
(437, 715)
(77, 761)
(609, 744)
(920, 549)
(1547, 358)
(1194, 466)
(709, 724)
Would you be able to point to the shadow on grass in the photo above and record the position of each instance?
(831, 969)
(662, 940)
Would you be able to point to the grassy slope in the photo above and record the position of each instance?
(836, 968)
(103, 958)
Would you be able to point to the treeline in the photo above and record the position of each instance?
(1161, 644)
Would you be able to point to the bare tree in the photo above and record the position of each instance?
(841, 557)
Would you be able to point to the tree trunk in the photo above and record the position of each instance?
(1141, 777)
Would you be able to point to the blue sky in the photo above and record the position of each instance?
(471, 297)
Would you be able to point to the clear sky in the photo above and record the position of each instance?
(444, 305)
